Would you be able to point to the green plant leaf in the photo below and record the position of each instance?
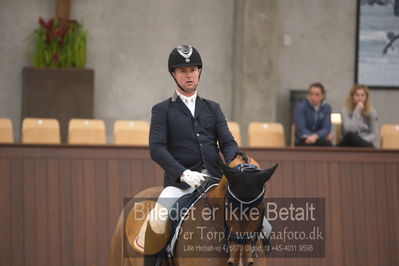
(55, 48)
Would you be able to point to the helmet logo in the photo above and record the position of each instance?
(185, 51)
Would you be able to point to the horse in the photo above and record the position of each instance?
(229, 231)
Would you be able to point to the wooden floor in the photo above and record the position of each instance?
(59, 204)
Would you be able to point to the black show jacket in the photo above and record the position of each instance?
(179, 141)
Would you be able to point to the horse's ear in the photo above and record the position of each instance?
(243, 155)
(229, 172)
(265, 175)
(253, 161)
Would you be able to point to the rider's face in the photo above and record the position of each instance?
(187, 77)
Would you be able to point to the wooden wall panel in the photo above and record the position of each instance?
(334, 251)
(114, 201)
(29, 209)
(5, 210)
(102, 213)
(393, 186)
(90, 222)
(42, 226)
(368, 186)
(54, 203)
(78, 212)
(17, 214)
(59, 204)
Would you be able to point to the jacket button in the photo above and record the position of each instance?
(198, 134)
(201, 145)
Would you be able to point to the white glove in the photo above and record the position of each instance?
(192, 178)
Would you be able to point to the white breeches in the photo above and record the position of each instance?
(170, 195)
(158, 216)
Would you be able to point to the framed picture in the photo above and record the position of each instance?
(377, 58)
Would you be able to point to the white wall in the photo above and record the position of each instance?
(129, 46)
(17, 21)
(322, 35)
(129, 42)
(323, 46)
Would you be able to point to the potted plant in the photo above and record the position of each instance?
(59, 43)
(58, 85)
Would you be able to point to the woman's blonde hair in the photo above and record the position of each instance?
(350, 104)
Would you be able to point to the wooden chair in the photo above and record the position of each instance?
(266, 135)
(389, 134)
(86, 131)
(131, 132)
(292, 137)
(41, 131)
(234, 128)
(336, 121)
(6, 133)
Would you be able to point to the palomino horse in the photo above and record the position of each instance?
(227, 233)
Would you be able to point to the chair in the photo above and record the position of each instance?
(86, 131)
(234, 128)
(266, 135)
(41, 131)
(389, 136)
(131, 132)
(6, 133)
(292, 137)
(336, 120)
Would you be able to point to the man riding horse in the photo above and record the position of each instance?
(186, 134)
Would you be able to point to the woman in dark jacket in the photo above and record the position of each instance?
(312, 119)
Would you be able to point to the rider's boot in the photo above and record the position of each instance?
(153, 245)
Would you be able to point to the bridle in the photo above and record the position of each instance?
(230, 197)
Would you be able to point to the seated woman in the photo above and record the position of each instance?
(359, 119)
(312, 119)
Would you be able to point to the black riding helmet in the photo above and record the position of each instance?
(182, 56)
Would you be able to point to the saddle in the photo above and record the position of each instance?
(186, 202)
(134, 223)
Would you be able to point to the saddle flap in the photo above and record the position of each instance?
(135, 221)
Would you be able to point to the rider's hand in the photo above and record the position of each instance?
(192, 178)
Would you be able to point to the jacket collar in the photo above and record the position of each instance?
(199, 105)
(175, 96)
(188, 98)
